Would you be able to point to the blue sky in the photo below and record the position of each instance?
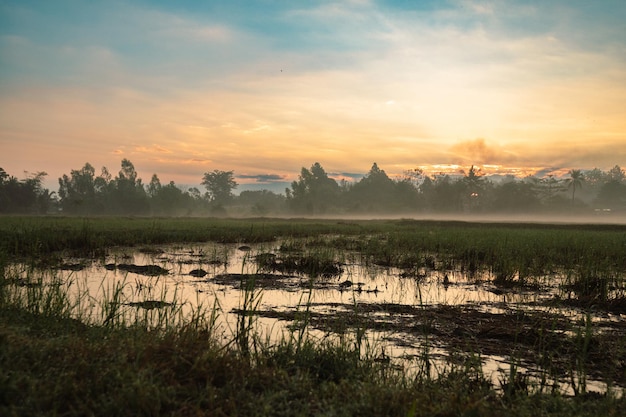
(265, 88)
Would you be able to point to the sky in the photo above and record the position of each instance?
(265, 88)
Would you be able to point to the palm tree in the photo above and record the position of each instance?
(575, 181)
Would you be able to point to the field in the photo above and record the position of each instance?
(191, 316)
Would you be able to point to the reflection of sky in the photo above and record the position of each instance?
(95, 285)
(371, 284)
(265, 88)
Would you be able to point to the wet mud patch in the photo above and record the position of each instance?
(148, 270)
(150, 304)
(259, 281)
(537, 340)
(275, 281)
(614, 306)
(72, 266)
(299, 264)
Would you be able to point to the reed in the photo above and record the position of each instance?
(151, 356)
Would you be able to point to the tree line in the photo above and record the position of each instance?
(83, 192)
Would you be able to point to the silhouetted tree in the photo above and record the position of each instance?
(515, 197)
(373, 193)
(314, 192)
(444, 194)
(102, 183)
(77, 191)
(43, 198)
(155, 186)
(407, 197)
(219, 185)
(612, 195)
(595, 178)
(616, 174)
(128, 193)
(3, 176)
(575, 181)
(473, 182)
(548, 190)
(260, 203)
(415, 175)
(169, 200)
(377, 193)
(24, 196)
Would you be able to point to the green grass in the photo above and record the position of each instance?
(58, 366)
(52, 363)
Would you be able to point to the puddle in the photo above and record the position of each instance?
(406, 315)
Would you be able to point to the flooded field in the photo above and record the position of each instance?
(517, 328)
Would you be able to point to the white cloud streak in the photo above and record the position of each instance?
(369, 83)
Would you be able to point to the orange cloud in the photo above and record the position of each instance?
(478, 151)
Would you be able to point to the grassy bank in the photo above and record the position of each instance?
(52, 363)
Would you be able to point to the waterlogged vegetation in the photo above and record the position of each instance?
(110, 316)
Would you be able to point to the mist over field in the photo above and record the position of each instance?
(593, 196)
(338, 207)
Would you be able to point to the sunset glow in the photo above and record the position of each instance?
(266, 88)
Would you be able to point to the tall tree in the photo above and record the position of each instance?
(515, 197)
(155, 186)
(23, 196)
(376, 192)
(616, 174)
(77, 191)
(444, 193)
(612, 195)
(314, 192)
(474, 188)
(129, 195)
(575, 181)
(170, 200)
(220, 185)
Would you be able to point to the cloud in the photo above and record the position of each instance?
(348, 176)
(263, 178)
(182, 91)
(155, 148)
(547, 171)
(478, 151)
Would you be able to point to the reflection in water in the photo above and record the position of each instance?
(210, 277)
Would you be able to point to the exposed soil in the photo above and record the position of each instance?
(148, 270)
(535, 339)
